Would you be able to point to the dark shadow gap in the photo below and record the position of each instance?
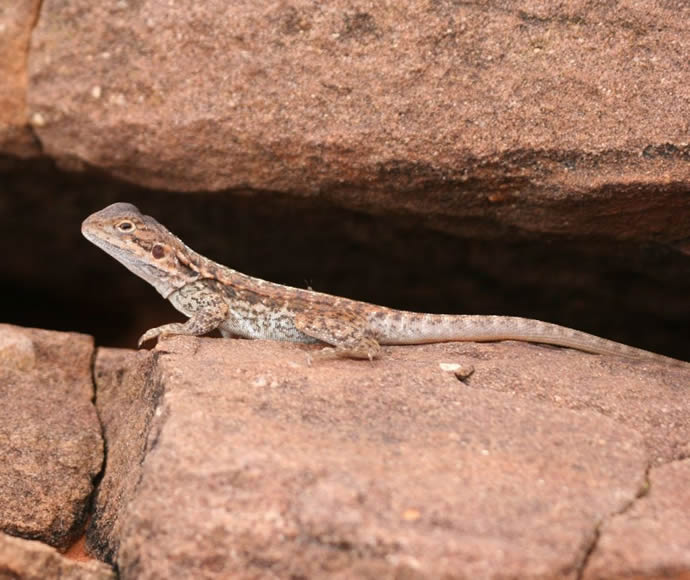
(54, 278)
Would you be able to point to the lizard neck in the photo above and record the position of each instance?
(177, 266)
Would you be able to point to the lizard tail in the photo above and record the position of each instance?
(400, 327)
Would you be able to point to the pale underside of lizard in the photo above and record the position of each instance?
(216, 297)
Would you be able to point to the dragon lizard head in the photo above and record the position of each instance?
(143, 246)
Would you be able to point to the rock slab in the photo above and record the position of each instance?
(540, 116)
(50, 437)
(632, 544)
(30, 560)
(17, 19)
(454, 461)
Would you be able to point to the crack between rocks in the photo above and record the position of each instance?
(642, 492)
(156, 383)
(99, 476)
(91, 500)
(596, 534)
(37, 14)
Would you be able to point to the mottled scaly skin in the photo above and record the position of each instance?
(214, 296)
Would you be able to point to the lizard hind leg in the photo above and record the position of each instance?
(343, 330)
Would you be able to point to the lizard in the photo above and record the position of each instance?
(214, 296)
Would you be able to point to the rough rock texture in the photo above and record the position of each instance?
(240, 460)
(29, 560)
(543, 117)
(630, 544)
(127, 400)
(50, 437)
(527, 158)
(16, 21)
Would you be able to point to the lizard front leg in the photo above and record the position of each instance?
(204, 306)
(346, 331)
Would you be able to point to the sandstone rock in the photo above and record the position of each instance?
(542, 118)
(29, 560)
(17, 19)
(652, 538)
(50, 437)
(245, 462)
(127, 401)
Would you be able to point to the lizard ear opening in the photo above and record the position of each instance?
(158, 251)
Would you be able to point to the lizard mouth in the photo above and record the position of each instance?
(149, 271)
(99, 241)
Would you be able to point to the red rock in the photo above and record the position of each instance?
(29, 560)
(547, 118)
(17, 19)
(50, 438)
(236, 459)
(651, 539)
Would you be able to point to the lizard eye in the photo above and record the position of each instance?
(158, 251)
(125, 226)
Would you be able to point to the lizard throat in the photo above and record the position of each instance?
(159, 277)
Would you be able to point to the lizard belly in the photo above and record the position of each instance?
(266, 326)
(248, 319)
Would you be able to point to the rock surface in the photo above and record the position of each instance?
(127, 401)
(29, 560)
(631, 543)
(429, 155)
(17, 19)
(540, 117)
(236, 458)
(50, 438)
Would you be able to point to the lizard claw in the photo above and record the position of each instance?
(324, 353)
(148, 335)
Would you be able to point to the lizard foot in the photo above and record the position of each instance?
(364, 350)
(161, 331)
